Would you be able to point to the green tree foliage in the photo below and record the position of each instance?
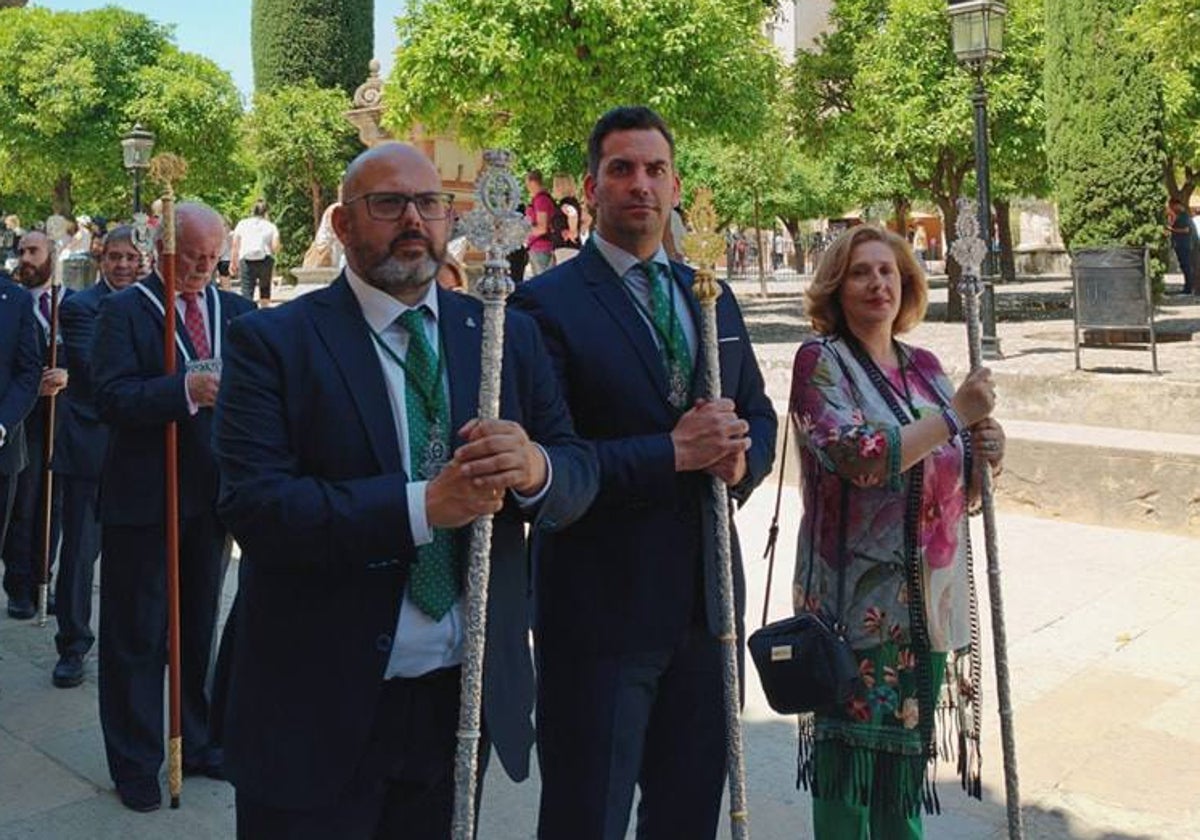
(1169, 31)
(1103, 126)
(329, 41)
(534, 75)
(72, 83)
(299, 142)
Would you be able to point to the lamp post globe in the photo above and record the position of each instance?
(136, 147)
(977, 36)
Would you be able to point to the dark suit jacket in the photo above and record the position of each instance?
(632, 574)
(20, 372)
(35, 423)
(136, 399)
(82, 439)
(312, 488)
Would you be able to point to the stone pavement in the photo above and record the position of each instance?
(1107, 708)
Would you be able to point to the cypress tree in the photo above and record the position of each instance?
(328, 41)
(1104, 126)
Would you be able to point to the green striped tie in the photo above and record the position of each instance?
(433, 580)
(676, 355)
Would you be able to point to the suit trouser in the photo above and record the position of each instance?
(77, 564)
(8, 494)
(655, 720)
(23, 544)
(133, 641)
(404, 786)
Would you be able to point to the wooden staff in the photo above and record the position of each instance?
(495, 228)
(168, 169)
(968, 251)
(706, 245)
(47, 498)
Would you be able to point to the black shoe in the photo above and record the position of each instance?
(141, 795)
(68, 673)
(211, 766)
(21, 608)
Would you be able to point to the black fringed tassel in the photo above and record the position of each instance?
(805, 757)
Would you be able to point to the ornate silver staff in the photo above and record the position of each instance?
(494, 227)
(706, 245)
(968, 251)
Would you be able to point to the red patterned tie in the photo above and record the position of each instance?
(193, 321)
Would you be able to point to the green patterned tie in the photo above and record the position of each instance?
(433, 581)
(676, 355)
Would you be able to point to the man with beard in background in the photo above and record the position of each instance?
(23, 545)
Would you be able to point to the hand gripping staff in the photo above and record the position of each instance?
(707, 245)
(47, 496)
(494, 227)
(968, 251)
(168, 169)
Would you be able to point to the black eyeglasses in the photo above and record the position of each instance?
(389, 206)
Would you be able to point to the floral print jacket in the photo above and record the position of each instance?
(850, 457)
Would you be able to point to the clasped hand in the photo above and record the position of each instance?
(496, 457)
(53, 381)
(711, 437)
(203, 388)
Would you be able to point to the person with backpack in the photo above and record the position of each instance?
(539, 241)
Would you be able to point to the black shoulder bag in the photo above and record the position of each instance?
(804, 662)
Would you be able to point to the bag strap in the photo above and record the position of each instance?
(773, 531)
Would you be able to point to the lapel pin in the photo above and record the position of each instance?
(470, 322)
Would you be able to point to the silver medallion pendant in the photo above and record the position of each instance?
(437, 453)
(677, 391)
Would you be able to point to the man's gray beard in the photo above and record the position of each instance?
(393, 276)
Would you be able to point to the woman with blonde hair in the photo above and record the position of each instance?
(891, 459)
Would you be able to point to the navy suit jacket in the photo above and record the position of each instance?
(636, 571)
(136, 398)
(312, 488)
(35, 423)
(82, 439)
(20, 372)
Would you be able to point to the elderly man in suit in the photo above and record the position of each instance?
(20, 376)
(627, 613)
(79, 456)
(136, 399)
(350, 468)
(24, 545)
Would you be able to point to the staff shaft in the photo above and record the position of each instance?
(735, 758)
(47, 497)
(1016, 828)
(171, 457)
(493, 289)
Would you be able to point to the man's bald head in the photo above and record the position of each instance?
(199, 241)
(390, 192)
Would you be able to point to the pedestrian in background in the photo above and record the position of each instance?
(255, 242)
(1179, 228)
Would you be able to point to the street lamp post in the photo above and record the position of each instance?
(135, 148)
(977, 32)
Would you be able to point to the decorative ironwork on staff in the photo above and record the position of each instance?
(496, 228)
(706, 245)
(969, 251)
(168, 169)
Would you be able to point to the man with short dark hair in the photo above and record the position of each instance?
(254, 244)
(136, 399)
(627, 617)
(350, 470)
(79, 456)
(23, 548)
(20, 376)
(540, 240)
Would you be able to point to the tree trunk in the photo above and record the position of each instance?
(949, 208)
(1179, 191)
(762, 273)
(900, 208)
(1008, 263)
(61, 202)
